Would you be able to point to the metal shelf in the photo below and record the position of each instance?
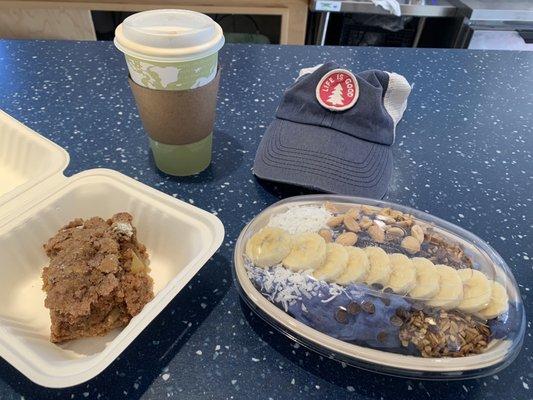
(416, 8)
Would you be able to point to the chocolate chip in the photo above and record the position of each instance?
(396, 321)
(388, 290)
(402, 313)
(418, 306)
(434, 329)
(354, 308)
(368, 307)
(341, 316)
(382, 336)
(385, 301)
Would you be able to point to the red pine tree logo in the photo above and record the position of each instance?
(337, 90)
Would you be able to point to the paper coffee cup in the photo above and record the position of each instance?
(172, 50)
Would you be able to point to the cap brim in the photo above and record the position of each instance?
(323, 159)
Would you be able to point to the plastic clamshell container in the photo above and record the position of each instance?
(180, 238)
(497, 355)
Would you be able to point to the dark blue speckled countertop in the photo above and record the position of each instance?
(463, 153)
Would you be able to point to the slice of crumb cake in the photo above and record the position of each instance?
(98, 277)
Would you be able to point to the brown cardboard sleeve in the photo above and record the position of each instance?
(177, 116)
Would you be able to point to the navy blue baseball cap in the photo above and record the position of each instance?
(333, 131)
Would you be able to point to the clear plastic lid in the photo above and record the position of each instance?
(169, 35)
(381, 286)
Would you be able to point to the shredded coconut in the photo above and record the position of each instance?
(301, 219)
(282, 286)
(334, 291)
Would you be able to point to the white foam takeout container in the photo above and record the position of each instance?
(499, 354)
(36, 199)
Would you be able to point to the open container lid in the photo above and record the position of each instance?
(470, 323)
(26, 160)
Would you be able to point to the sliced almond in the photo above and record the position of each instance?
(347, 239)
(376, 233)
(353, 212)
(379, 223)
(350, 223)
(329, 206)
(411, 244)
(395, 231)
(367, 210)
(335, 221)
(365, 223)
(385, 218)
(406, 223)
(417, 232)
(385, 211)
(326, 234)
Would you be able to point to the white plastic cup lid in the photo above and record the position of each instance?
(169, 35)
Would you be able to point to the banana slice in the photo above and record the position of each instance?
(379, 266)
(308, 252)
(357, 268)
(427, 279)
(403, 273)
(476, 290)
(336, 262)
(499, 302)
(450, 289)
(268, 247)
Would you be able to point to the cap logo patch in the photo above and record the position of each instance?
(337, 90)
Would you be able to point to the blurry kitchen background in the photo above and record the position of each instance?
(477, 24)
